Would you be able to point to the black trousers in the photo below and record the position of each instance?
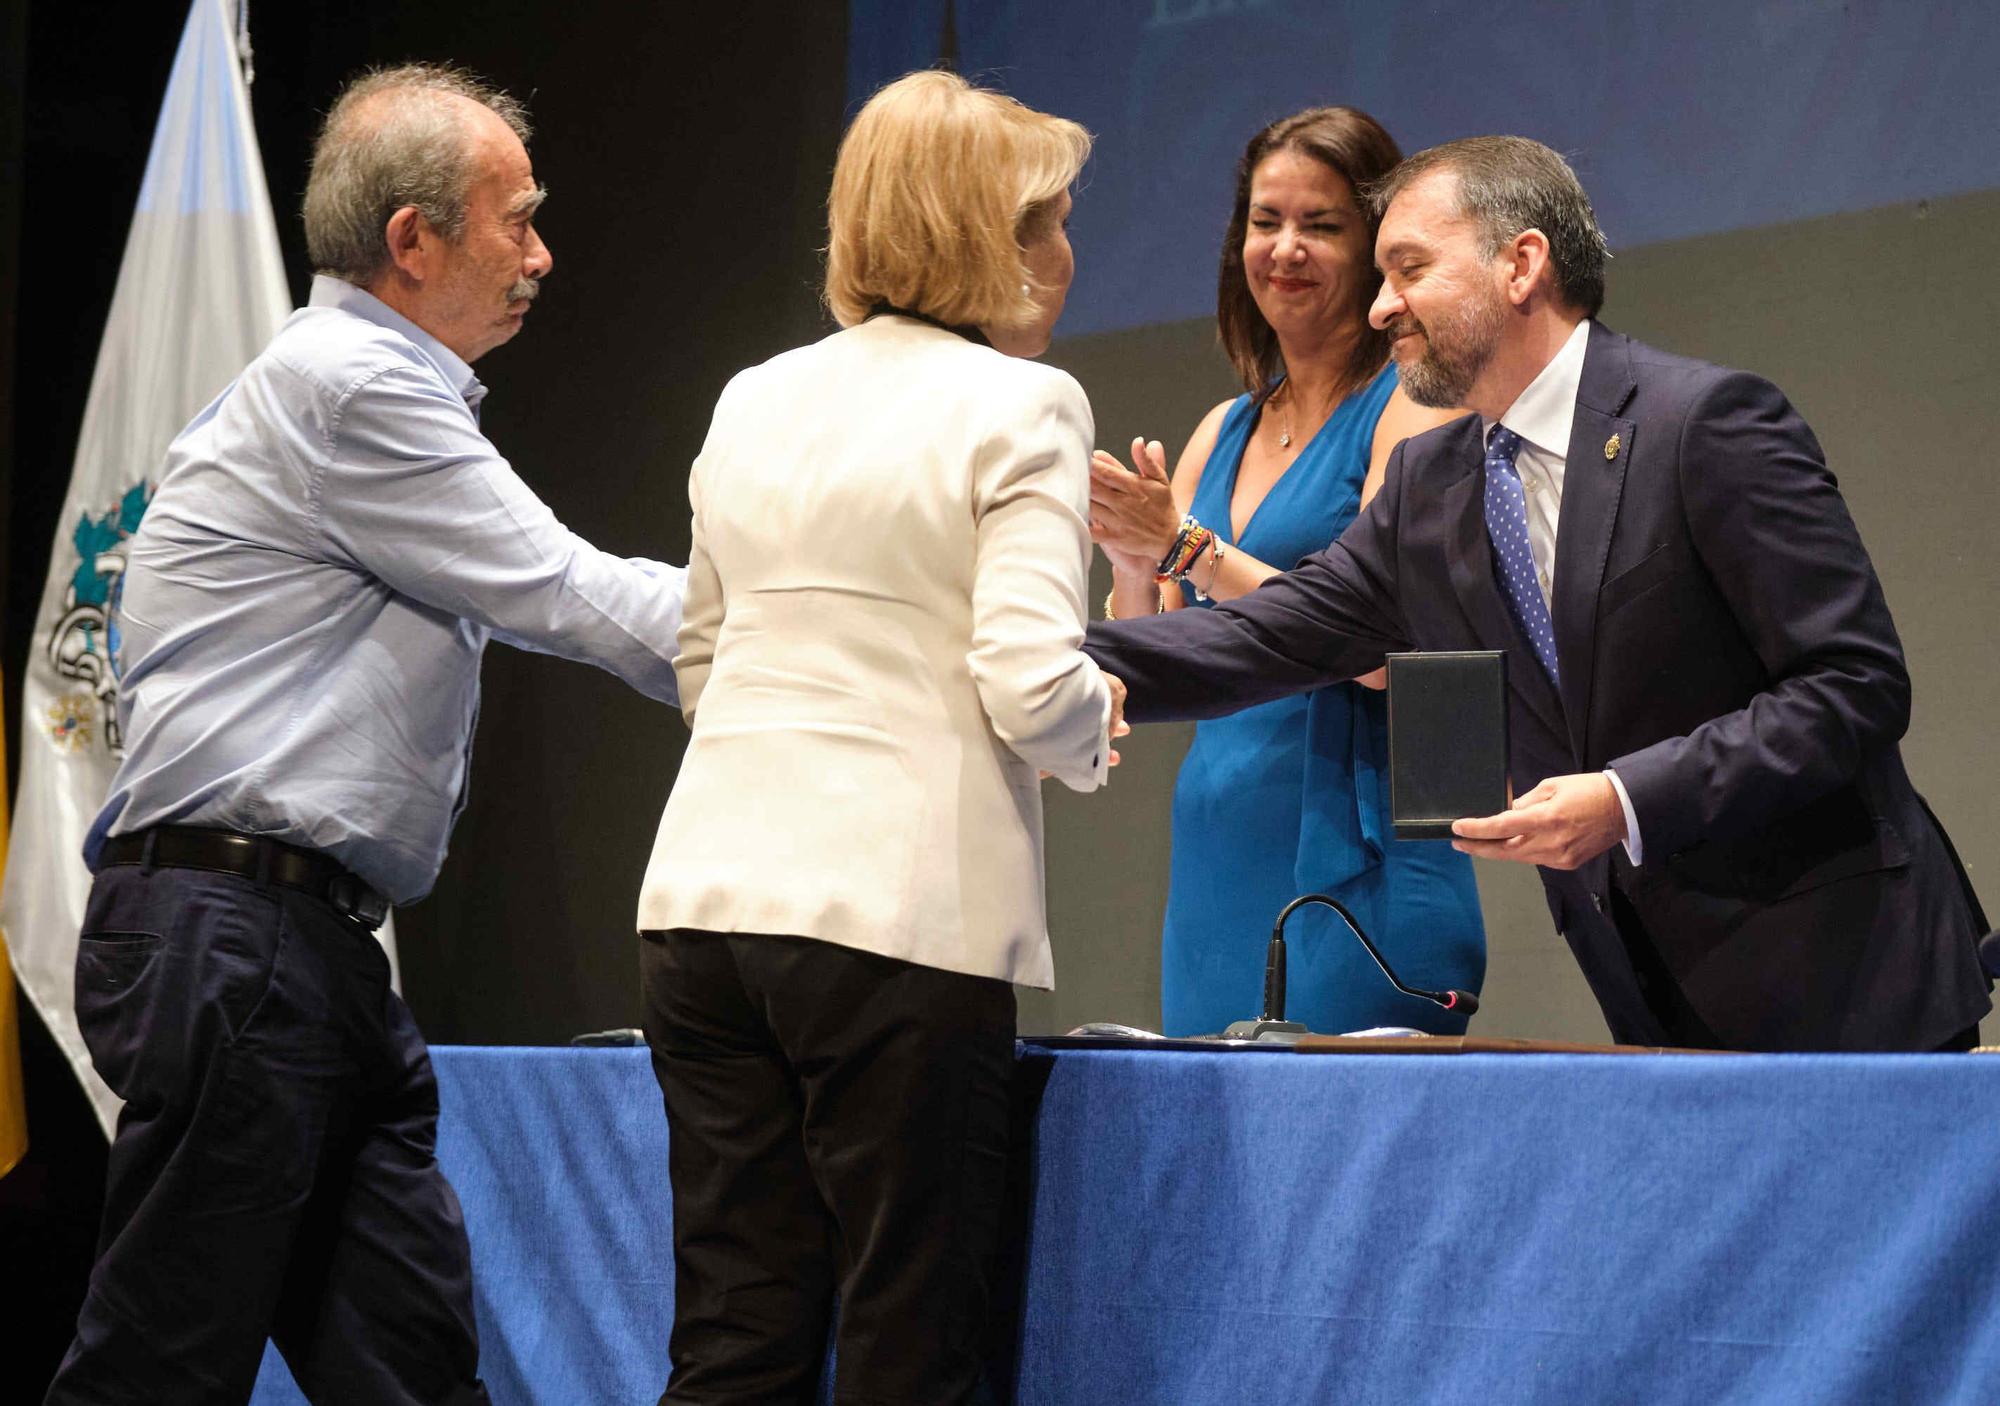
(837, 1122)
(274, 1172)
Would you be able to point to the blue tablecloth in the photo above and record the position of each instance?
(1208, 1228)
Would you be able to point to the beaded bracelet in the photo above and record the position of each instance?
(1192, 541)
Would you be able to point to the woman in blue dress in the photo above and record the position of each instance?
(1290, 797)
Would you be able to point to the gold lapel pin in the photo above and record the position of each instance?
(1610, 449)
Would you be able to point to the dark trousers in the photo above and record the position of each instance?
(837, 1122)
(274, 1173)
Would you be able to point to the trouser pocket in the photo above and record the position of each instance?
(115, 977)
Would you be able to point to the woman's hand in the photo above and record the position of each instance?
(1132, 512)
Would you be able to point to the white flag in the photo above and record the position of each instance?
(200, 291)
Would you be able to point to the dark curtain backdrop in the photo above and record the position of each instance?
(686, 148)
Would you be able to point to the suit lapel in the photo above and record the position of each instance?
(1600, 446)
(1463, 505)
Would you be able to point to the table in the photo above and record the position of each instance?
(1220, 1227)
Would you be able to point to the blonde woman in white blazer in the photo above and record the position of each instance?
(878, 657)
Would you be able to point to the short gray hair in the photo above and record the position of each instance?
(1510, 184)
(394, 138)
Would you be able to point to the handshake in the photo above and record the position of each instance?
(1119, 727)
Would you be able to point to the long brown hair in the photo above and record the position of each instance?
(1343, 139)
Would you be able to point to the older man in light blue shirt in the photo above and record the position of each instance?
(302, 616)
(305, 604)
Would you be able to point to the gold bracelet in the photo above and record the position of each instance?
(1159, 604)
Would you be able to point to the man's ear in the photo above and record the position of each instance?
(1530, 269)
(410, 235)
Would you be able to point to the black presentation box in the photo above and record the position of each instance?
(1447, 740)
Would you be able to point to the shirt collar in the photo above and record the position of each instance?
(330, 292)
(1543, 413)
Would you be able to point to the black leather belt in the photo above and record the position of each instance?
(252, 857)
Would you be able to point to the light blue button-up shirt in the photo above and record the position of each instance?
(307, 598)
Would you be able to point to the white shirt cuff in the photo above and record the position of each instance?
(1633, 848)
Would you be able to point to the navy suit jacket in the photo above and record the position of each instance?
(1724, 646)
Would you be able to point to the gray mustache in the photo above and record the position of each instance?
(525, 290)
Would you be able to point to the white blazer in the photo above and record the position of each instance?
(879, 650)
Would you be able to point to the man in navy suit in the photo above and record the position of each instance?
(1707, 689)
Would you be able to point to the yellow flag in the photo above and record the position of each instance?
(13, 1102)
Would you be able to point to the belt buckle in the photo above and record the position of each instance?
(358, 901)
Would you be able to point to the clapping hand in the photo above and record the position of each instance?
(1132, 512)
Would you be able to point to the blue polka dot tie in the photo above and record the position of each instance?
(1513, 560)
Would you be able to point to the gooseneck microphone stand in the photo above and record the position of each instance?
(1273, 1028)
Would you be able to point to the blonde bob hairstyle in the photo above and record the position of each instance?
(937, 188)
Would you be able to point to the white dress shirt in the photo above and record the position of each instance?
(1542, 416)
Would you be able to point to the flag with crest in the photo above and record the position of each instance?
(200, 290)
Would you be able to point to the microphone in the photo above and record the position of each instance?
(1989, 954)
(1272, 1027)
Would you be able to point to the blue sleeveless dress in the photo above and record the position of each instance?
(1292, 797)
